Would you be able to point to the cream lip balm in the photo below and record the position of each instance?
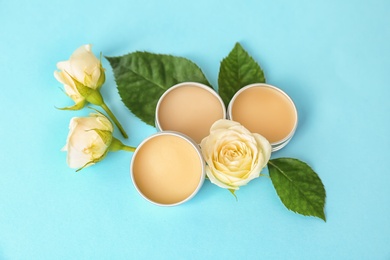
(267, 110)
(167, 168)
(189, 108)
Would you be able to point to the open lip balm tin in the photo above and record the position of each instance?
(266, 110)
(189, 108)
(167, 168)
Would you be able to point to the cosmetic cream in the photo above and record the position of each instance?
(266, 110)
(167, 168)
(189, 108)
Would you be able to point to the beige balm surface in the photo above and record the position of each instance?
(167, 168)
(266, 110)
(189, 108)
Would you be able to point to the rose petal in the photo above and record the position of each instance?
(85, 67)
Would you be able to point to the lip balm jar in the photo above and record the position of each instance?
(266, 110)
(189, 108)
(167, 168)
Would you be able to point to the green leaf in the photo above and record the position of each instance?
(237, 70)
(143, 77)
(298, 186)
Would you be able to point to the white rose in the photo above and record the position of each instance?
(82, 66)
(234, 156)
(82, 71)
(88, 141)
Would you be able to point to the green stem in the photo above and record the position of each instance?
(128, 148)
(117, 145)
(112, 116)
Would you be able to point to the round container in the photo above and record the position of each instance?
(189, 108)
(267, 110)
(167, 168)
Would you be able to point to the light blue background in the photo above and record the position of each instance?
(332, 57)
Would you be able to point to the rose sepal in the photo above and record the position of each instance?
(76, 106)
(93, 161)
(91, 95)
(102, 77)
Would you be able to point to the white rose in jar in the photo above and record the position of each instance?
(234, 156)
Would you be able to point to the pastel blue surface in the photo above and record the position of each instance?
(332, 57)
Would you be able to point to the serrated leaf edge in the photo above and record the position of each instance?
(323, 217)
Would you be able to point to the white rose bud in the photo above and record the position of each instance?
(88, 140)
(83, 67)
(234, 156)
(81, 75)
